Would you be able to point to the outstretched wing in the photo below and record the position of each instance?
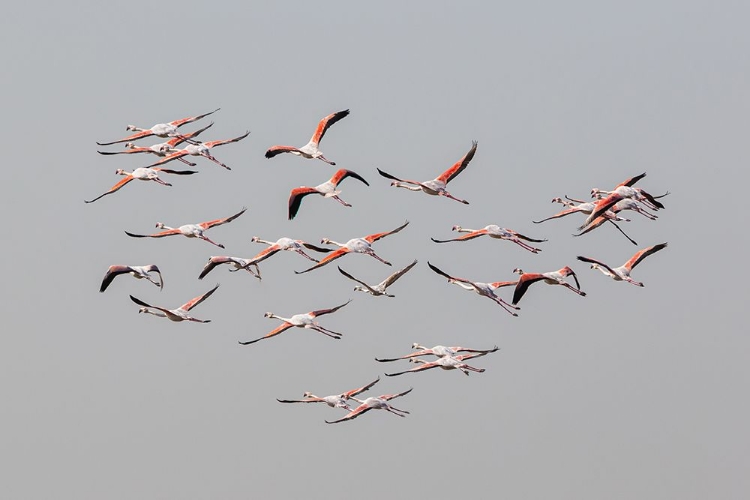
(388, 397)
(295, 199)
(359, 410)
(168, 232)
(321, 312)
(632, 180)
(281, 328)
(213, 144)
(114, 188)
(218, 222)
(355, 279)
(459, 166)
(326, 123)
(328, 258)
(360, 390)
(343, 173)
(197, 300)
(638, 257)
(597, 262)
(524, 282)
(372, 238)
(395, 276)
(419, 368)
(189, 119)
(277, 150)
(111, 274)
(467, 236)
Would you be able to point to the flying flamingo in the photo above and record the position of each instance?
(436, 186)
(160, 129)
(334, 401)
(306, 320)
(379, 403)
(199, 149)
(379, 289)
(236, 262)
(356, 245)
(494, 231)
(139, 272)
(160, 149)
(190, 230)
(327, 189)
(179, 314)
(142, 174)
(622, 273)
(483, 289)
(287, 244)
(310, 150)
(438, 350)
(551, 278)
(454, 362)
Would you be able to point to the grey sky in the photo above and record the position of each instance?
(625, 393)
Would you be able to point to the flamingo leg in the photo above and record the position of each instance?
(322, 330)
(527, 247)
(341, 201)
(323, 158)
(448, 195)
(571, 287)
(206, 238)
(161, 181)
(210, 157)
(299, 251)
(189, 163)
(372, 254)
(505, 305)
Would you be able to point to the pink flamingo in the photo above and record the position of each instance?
(310, 150)
(160, 129)
(190, 230)
(141, 174)
(306, 320)
(327, 190)
(379, 403)
(622, 273)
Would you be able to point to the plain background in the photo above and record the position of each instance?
(628, 392)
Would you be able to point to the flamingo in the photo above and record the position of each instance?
(356, 245)
(310, 150)
(438, 350)
(327, 189)
(160, 129)
(179, 314)
(379, 289)
(199, 149)
(483, 289)
(160, 149)
(453, 362)
(142, 174)
(622, 273)
(190, 230)
(236, 262)
(494, 231)
(378, 403)
(139, 272)
(306, 320)
(334, 401)
(551, 278)
(436, 186)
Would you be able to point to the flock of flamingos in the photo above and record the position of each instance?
(604, 209)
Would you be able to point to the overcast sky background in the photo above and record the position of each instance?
(627, 392)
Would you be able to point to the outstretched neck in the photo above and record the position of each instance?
(258, 240)
(326, 241)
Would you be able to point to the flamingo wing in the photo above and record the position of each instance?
(326, 123)
(639, 256)
(218, 222)
(141, 303)
(265, 253)
(467, 236)
(598, 262)
(197, 300)
(394, 178)
(295, 199)
(395, 276)
(519, 235)
(360, 390)
(355, 279)
(153, 268)
(459, 166)
(526, 280)
(168, 232)
(314, 247)
(111, 274)
(388, 397)
(632, 180)
(328, 258)
(421, 367)
(308, 400)
(175, 141)
(359, 410)
(170, 157)
(372, 238)
(501, 284)
(321, 312)
(343, 173)
(114, 188)
(562, 213)
(189, 119)
(276, 150)
(137, 135)
(281, 328)
(213, 144)
(600, 208)
(176, 172)
(213, 261)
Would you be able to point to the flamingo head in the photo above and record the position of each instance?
(518, 270)
(129, 145)
(557, 200)
(566, 271)
(254, 239)
(130, 127)
(595, 192)
(120, 171)
(359, 288)
(416, 346)
(268, 315)
(307, 395)
(325, 241)
(159, 225)
(456, 228)
(142, 310)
